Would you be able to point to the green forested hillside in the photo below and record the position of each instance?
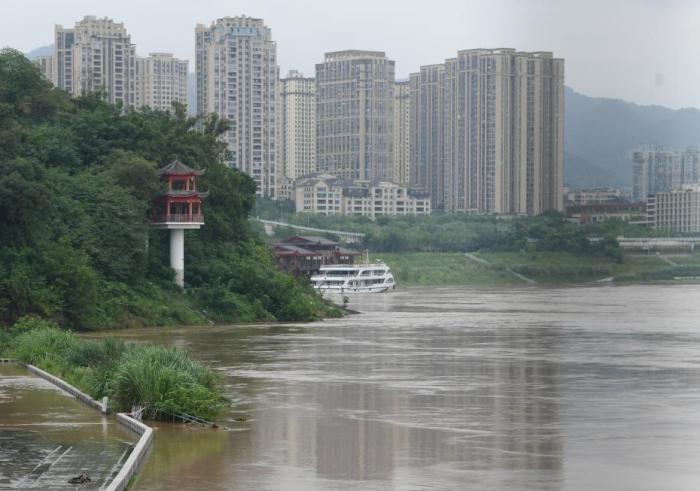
(76, 181)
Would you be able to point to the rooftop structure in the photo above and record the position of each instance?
(304, 255)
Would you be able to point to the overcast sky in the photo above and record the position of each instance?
(645, 51)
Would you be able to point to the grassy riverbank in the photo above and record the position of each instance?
(164, 380)
(549, 268)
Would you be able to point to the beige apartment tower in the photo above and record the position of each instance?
(427, 122)
(237, 77)
(488, 132)
(354, 117)
(96, 56)
(401, 153)
(161, 80)
(297, 125)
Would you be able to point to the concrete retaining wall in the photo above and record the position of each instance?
(100, 406)
(138, 454)
(140, 451)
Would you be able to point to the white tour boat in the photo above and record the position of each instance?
(354, 278)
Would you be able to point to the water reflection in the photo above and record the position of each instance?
(581, 388)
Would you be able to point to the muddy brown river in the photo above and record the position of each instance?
(451, 388)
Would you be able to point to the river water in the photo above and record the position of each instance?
(452, 388)
(48, 437)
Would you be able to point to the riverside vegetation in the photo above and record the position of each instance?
(431, 250)
(162, 380)
(77, 176)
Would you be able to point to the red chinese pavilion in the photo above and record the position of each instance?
(181, 204)
(178, 209)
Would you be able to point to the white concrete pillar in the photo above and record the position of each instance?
(177, 255)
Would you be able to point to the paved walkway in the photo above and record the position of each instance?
(47, 437)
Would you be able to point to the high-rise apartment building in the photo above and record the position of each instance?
(488, 132)
(237, 77)
(96, 56)
(47, 66)
(161, 80)
(297, 125)
(658, 169)
(428, 146)
(401, 152)
(354, 117)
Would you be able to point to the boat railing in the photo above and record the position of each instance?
(353, 266)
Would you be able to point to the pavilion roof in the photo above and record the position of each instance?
(177, 168)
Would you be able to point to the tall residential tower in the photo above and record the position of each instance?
(96, 56)
(401, 150)
(659, 169)
(237, 77)
(488, 132)
(354, 117)
(297, 125)
(161, 80)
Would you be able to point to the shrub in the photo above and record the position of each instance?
(164, 379)
(47, 345)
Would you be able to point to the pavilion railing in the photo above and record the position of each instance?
(178, 218)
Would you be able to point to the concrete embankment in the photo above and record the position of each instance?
(81, 396)
(138, 454)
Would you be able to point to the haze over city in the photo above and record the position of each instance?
(628, 49)
(367, 245)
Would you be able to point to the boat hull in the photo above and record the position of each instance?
(343, 290)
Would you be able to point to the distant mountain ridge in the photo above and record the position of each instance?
(599, 133)
(37, 52)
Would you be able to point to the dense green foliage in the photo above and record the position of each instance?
(77, 177)
(164, 380)
(457, 232)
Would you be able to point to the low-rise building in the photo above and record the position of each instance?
(304, 255)
(675, 211)
(599, 212)
(319, 194)
(595, 195)
(373, 199)
(328, 195)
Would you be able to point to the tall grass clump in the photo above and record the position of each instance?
(44, 345)
(163, 380)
